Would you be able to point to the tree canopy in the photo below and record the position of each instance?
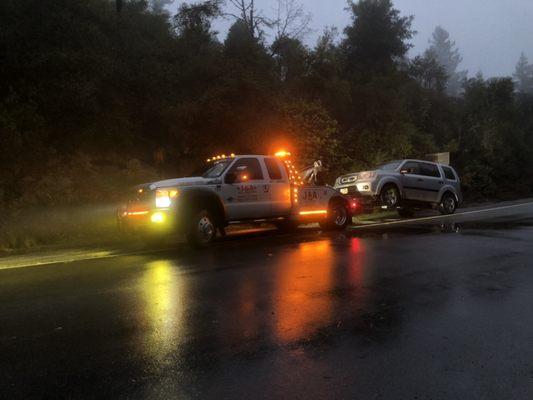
(96, 97)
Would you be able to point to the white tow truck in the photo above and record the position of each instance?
(234, 189)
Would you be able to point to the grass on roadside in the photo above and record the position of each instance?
(74, 226)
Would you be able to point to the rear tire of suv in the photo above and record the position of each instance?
(448, 204)
(390, 196)
(338, 217)
(202, 229)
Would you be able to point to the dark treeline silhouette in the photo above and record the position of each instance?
(98, 95)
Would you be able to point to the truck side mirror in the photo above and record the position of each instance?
(231, 178)
(404, 171)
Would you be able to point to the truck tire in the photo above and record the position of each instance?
(202, 229)
(338, 217)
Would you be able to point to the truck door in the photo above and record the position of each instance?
(248, 197)
(280, 188)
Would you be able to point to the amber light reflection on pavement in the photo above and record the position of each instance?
(309, 281)
(286, 298)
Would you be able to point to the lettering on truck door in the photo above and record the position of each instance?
(249, 196)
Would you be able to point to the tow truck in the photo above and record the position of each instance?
(234, 189)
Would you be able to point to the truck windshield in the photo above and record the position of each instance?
(390, 166)
(216, 169)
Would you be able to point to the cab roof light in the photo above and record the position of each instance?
(220, 157)
(282, 153)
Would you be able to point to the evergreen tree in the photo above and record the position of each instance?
(428, 72)
(447, 55)
(524, 75)
(377, 38)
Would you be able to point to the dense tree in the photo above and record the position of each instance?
(377, 38)
(93, 100)
(444, 50)
(428, 72)
(524, 75)
(494, 153)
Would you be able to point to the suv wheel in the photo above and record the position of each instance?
(202, 230)
(338, 217)
(448, 204)
(390, 196)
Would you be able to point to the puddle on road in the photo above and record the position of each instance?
(488, 228)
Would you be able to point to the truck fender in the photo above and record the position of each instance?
(340, 199)
(193, 199)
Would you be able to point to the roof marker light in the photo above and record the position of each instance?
(282, 153)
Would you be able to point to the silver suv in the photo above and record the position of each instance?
(406, 185)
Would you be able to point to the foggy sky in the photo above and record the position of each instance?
(489, 33)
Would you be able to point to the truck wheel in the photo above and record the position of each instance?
(202, 230)
(448, 204)
(390, 196)
(338, 217)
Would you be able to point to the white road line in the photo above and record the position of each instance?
(86, 258)
(138, 253)
(405, 221)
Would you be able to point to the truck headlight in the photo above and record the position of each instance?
(164, 197)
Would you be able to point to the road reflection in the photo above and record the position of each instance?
(163, 294)
(283, 298)
(310, 282)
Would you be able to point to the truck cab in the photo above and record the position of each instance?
(234, 189)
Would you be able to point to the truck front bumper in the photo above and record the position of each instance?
(146, 221)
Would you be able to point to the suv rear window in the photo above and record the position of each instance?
(274, 172)
(429, 170)
(448, 173)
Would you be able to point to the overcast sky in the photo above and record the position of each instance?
(490, 33)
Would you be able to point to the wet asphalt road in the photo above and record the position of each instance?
(431, 309)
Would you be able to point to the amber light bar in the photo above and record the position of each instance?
(314, 212)
(138, 213)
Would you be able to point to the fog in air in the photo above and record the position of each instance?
(490, 34)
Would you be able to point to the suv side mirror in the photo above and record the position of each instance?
(404, 171)
(231, 178)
